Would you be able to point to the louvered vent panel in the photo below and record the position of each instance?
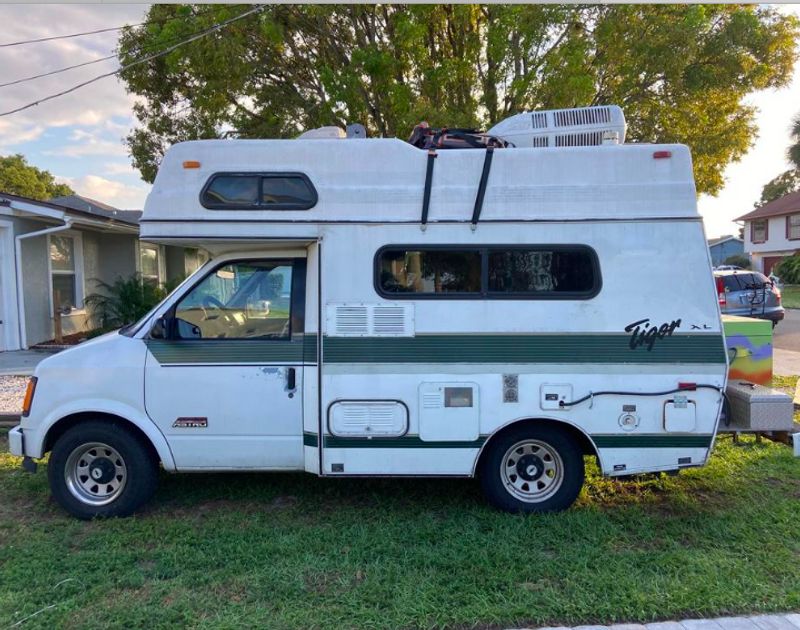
(352, 320)
(539, 120)
(540, 142)
(431, 400)
(370, 320)
(584, 139)
(368, 418)
(582, 116)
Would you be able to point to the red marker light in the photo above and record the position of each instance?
(660, 155)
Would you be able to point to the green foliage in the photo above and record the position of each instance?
(291, 551)
(781, 186)
(740, 260)
(20, 178)
(124, 301)
(788, 270)
(794, 149)
(680, 72)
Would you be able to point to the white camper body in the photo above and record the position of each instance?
(581, 301)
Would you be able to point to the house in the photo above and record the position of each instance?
(772, 232)
(724, 247)
(53, 253)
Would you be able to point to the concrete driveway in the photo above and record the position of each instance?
(786, 344)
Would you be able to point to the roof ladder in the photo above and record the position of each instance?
(426, 197)
(487, 165)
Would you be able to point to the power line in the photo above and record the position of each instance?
(137, 62)
(101, 30)
(94, 61)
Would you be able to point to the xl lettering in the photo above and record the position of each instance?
(645, 334)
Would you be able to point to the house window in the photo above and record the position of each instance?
(759, 231)
(151, 263)
(66, 273)
(793, 227)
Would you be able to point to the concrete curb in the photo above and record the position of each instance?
(787, 621)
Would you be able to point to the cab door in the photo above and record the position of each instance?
(224, 383)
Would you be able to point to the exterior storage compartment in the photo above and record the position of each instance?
(758, 408)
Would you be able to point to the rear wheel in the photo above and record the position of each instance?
(100, 469)
(532, 469)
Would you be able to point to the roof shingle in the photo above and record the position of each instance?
(788, 204)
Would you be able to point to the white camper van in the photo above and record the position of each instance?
(374, 309)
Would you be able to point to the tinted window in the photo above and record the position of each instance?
(541, 271)
(269, 191)
(430, 271)
(231, 190)
(566, 272)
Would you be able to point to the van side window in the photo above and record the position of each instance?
(258, 191)
(431, 271)
(566, 272)
(533, 271)
(240, 300)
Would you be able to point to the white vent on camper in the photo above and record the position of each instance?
(369, 320)
(386, 418)
(579, 127)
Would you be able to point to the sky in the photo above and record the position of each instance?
(79, 137)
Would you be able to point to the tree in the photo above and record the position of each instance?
(17, 177)
(781, 186)
(680, 72)
(794, 149)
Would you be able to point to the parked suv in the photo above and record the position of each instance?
(749, 294)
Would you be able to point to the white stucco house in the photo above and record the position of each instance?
(772, 232)
(53, 253)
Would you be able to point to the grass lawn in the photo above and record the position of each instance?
(790, 296)
(294, 551)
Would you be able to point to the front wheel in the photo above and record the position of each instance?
(101, 469)
(532, 469)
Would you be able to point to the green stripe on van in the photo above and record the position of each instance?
(483, 349)
(299, 350)
(601, 441)
(462, 348)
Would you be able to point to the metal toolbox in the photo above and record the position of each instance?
(757, 408)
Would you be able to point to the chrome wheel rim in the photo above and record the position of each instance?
(532, 471)
(95, 473)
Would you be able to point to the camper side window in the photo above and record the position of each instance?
(241, 300)
(258, 191)
(566, 272)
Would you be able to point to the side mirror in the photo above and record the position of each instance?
(160, 329)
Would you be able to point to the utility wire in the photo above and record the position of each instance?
(137, 62)
(89, 63)
(101, 30)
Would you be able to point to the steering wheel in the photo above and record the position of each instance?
(210, 302)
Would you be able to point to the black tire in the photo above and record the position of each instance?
(124, 449)
(502, 489)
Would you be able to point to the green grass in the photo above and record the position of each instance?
(790, 296)
(294, 551)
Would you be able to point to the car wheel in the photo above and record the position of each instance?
(101, 469)
(532, 469)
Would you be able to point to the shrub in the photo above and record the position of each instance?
(124, 301)
(740, 260)
(788, 270)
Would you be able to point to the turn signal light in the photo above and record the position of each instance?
(29, 392)
(191, 164)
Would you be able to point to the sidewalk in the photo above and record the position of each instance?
(788, 621)
(21, 362)
(785, 362)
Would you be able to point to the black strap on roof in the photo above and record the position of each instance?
(487, 165)
(426, 197)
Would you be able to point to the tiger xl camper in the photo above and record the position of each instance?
(372, 308)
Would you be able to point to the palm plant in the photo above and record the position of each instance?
(124, 301)
(794, 149)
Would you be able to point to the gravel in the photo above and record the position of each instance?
(12, 392)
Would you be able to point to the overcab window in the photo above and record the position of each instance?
(259, 191)
(490, 272)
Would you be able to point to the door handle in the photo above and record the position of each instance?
(291, 379)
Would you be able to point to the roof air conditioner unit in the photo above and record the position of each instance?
(579, 127)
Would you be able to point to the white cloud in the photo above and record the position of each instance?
(114, 193)
(119, 168)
